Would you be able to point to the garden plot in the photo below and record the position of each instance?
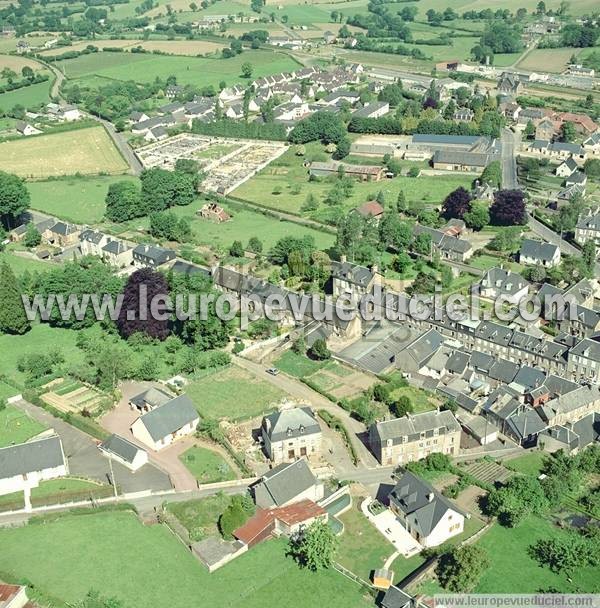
(227, 163)
(489, 472)
(74, 397)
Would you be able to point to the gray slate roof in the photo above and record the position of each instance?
(295, 422)
(286, 481)
(119, 446)
(415, 424)
(170, 417)
(153, 396)
(353, 273)
(422, 505)
(30, 457)
(538, 250)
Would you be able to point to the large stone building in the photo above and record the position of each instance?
(413, 437)
(291, 434)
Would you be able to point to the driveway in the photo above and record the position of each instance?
(85, 460)
(120, 419)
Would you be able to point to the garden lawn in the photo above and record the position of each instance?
(200, 516)
(76, 199)
(362, 547)
(233, 393)
(206, 466)
(199, 71)
(15, 425)
(42, 338)
(289, 177)
(102, 551)
(422, 401)
(55, 487)
(512, 570)
(529, 464)
(298, 365)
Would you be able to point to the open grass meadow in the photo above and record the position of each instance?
(529, 464)
(233, 393)
(284, 186)
(147, 566)
(41, 338)
(77, 199)
(29, 97)
(199, 71)
(21, 264)
(547, 60)
(244, 224)
(206, 466)
(15, 425)
(85, 151)
(512, 570)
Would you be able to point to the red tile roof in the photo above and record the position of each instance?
(581, 119)
(370, 208)
(7, 592)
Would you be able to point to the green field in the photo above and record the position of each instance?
(233, 393)
(512, 570)
(199, 71)
(28, 97)
(421, 400)
(297, 365)
(41, 338)
(147, 566)
(77, 199)
(20, 264)
(55, 487)
(16, 426)
(288, 172)
(244, 224)
(206, 466)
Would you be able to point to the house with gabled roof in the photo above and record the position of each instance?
(286, 484)
(352, 280)
(24, 465)
(499, 282)
(290, 434)
(62, 234)
(123, 451)
(428, 516)
(163, 425)
(538, 253)
(567, 167)
(415, 436)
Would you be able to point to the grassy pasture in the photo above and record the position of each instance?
(102, 551)
(77, 199)
(244, 224)
(85, 151)
(29, 97)
(21, 264)
(17, 62)
(200, 71)
(79, 46)
(206, 466)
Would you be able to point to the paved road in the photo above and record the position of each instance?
(552, 237)
(510, 143)
(85, 460)
(300, 391)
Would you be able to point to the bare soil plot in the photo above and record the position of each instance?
(87, 151)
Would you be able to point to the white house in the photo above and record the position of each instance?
(24, 465)
(567, 167)
(291, 434)
(123, 451)
(24, 128)
(500, 282)
(70, 113)
(430, 518)
(538, 253)
(165, 424)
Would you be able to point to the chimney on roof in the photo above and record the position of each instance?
(343, 258)
(375, 269)
(430, 497)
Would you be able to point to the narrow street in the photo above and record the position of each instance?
(510, 144)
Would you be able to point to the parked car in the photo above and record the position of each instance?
(273, 371)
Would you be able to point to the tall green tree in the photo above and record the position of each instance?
(316, 547)
(13, 319)
(14, 198)
(460, 570)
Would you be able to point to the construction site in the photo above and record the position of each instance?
(226, 163)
